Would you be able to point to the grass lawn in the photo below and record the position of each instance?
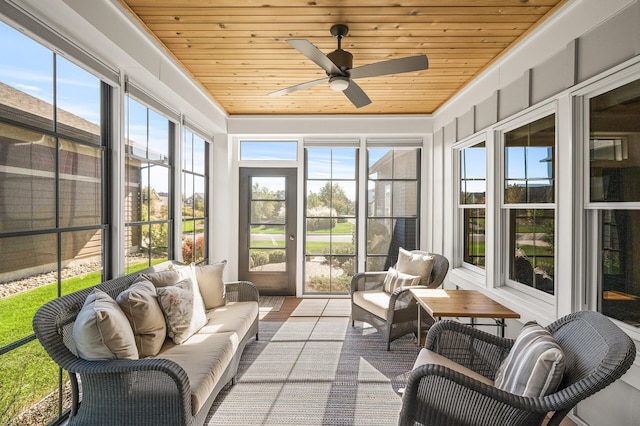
(340, 228)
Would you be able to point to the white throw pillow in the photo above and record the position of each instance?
(209, 278)
(534, 366)
(184, 315)
(101, 330)
(412, 263)
(140, 304)
(395, 279)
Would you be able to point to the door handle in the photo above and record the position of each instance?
(291, 237)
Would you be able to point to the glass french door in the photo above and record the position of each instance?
(267, 247)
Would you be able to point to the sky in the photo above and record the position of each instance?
(28, 66)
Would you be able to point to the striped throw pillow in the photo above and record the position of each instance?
(534, 366)
(395, 279)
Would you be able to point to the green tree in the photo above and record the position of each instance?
(265, 211)
(332, 196)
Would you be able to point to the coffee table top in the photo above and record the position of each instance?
(460, 303)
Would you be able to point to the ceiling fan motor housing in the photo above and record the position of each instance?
(342, 59)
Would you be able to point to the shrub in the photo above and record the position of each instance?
(188, 250)
(320, 218)
(277, 256)
(258, 258)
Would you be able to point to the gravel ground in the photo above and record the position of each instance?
(73, 270)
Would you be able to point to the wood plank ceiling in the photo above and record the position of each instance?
(236, 49)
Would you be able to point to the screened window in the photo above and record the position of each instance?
(195, 203)
(331, 224)
(393, 200)
(614, 199)
(473, 191)
(529, 203)
(149, 138)
(52, 226)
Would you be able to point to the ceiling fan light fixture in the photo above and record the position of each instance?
(339, 83)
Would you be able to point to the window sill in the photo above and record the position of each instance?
(529, 308)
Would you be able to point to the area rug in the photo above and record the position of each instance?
(317, 371)
(270, 303)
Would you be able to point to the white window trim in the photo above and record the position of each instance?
(459, 266)
(538, 300)
(588, 292)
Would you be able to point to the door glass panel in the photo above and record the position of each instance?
(268, 188)
(267, 237)
(268, 260)
(267, 212)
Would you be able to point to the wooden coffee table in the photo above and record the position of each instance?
(471, 304)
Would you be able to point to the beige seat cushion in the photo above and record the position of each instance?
(204, 358)
(427, 356)
(374, 301)
(236, 317)
(101, 330)
(139, 303)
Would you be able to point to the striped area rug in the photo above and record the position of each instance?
(270, 303)
(317, 371)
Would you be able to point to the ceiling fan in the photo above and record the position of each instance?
(340, 74)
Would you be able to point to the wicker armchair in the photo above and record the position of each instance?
(597, 353)
(402, 312)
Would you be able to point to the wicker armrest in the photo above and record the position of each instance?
(241, 291)
(367, 281)
(475, 349)
(436, 386)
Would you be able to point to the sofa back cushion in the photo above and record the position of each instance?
(209, 278)
(140, 305)
(534, 366)
(101, 330)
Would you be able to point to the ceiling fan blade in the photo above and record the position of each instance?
(310, 51)
(299, 86)
(392, 66)
(356, 95)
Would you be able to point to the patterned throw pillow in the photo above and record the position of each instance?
(185, 315)
(101, 331)
(413, 263)
(534, 366)
(395, 279)
(139, 303)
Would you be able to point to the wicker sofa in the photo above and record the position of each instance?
(176, 387)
